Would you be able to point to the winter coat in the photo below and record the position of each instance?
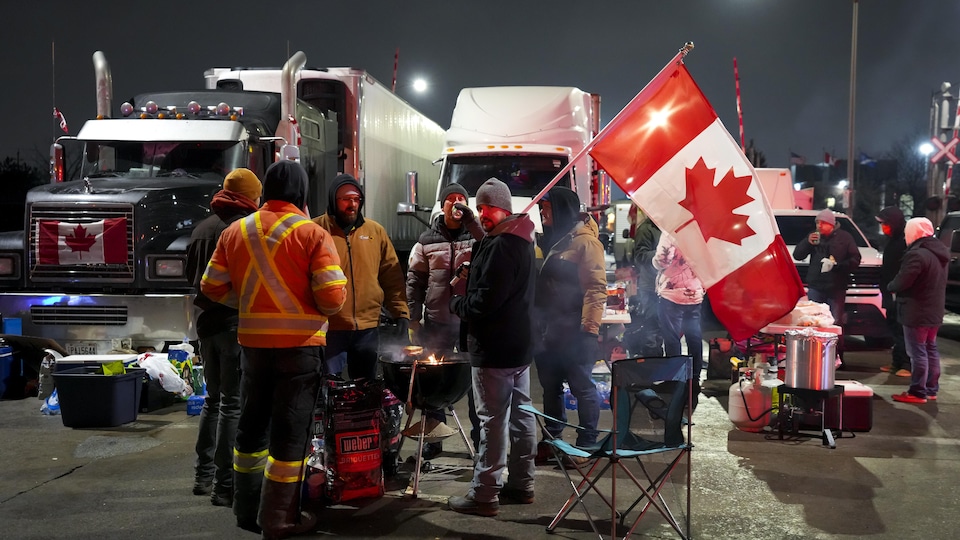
(892, 252)
(374, 275)
(572, 284)
(676, 282)
(282, 272)
(921, 284)
(433, 260)
(841, 245)
(646, 238)
(498, 304)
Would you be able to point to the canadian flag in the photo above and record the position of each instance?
(100, 242)
(673, 157)
(63, 121)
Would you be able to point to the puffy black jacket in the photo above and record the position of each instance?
(892, 252)
(921, 284)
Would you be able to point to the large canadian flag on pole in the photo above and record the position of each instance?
(100, 242)
(673, 157)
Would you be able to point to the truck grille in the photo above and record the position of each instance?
(79, 315)
(863, 277)
(80, 273)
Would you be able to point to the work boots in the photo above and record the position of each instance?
(280, 515)
(246, 499)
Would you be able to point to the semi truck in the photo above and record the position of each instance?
(384, 142)
(100, 262)
(524, 136)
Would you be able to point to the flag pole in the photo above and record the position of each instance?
(617, 120)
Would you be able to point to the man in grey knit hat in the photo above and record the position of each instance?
(497, 309)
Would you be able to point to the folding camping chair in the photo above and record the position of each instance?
(648, 400)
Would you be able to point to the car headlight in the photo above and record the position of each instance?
(168, 268)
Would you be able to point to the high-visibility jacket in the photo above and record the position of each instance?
(283, 274)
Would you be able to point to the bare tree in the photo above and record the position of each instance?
(911, 182)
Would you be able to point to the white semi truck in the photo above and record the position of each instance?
(522, 135)
(382, 138)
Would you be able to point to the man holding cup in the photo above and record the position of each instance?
(833, 255)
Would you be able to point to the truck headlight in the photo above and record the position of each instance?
(8, 265)
(168, 268)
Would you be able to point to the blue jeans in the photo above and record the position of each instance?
(499, 394)
(683, 320)
(921, 344)
(569, 363)
(221, 410)
(355, 350)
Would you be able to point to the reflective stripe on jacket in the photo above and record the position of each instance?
(283, 273)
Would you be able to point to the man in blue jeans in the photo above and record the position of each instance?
(497, 309)
(571, 294)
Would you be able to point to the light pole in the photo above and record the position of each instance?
(853, 105)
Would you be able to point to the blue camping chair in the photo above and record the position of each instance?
(647, 443)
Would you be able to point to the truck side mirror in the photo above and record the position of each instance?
(56, 163)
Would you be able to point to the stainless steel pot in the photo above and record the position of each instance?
(811, 359)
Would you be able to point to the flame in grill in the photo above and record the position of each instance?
(432, 359)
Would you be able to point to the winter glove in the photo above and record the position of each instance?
(827, 264)
(468, 215)
(590, 346)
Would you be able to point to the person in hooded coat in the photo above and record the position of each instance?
(920, 289)
(892, 223)
(217, 332)
(282, 272)
(375, 281)
(570, 298)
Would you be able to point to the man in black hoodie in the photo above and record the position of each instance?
(920, 288)
(217, 332)
(497, 309)
(891, 223)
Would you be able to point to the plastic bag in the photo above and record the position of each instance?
(160, 369)
(51, 405)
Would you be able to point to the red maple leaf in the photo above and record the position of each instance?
(712, 206)
(80, 240)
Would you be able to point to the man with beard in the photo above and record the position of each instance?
(374, 280)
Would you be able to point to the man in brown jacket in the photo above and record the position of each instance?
(374, 280)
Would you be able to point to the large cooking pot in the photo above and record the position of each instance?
(811, 359)
(439, 383)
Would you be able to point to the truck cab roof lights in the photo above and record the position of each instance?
(152, 110)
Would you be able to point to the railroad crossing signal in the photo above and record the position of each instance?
(944, 150)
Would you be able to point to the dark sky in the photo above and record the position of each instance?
(793, 56)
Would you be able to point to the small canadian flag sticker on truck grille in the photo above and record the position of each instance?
(100, 242)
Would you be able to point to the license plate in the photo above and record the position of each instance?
(81, 347)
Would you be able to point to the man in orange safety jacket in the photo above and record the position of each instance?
(283, 273)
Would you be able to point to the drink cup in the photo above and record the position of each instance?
(457, 213)
(815, 239)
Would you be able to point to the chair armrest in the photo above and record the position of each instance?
(533, 410)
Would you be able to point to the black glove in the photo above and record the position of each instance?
(468, 215)
(590, 345)
(403, 325)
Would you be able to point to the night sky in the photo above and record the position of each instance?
(793, 56)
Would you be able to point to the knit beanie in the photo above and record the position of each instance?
(918, 227)
(244, 182)
(495, 193)
(827, 216)
(450, 189)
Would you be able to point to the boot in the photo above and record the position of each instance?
(280, 515)
(246, 499)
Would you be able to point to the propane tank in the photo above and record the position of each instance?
(747, 400)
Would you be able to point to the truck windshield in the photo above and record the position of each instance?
(210, 160)
(525, 175)
(793, 229)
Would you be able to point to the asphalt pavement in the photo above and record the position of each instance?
(895, 481)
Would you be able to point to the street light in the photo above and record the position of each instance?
(420, 86)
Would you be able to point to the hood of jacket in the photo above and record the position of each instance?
(338, 182)
(516, 224)
(935, 246)
(893, 217)
(286, 181)
(565, 207)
